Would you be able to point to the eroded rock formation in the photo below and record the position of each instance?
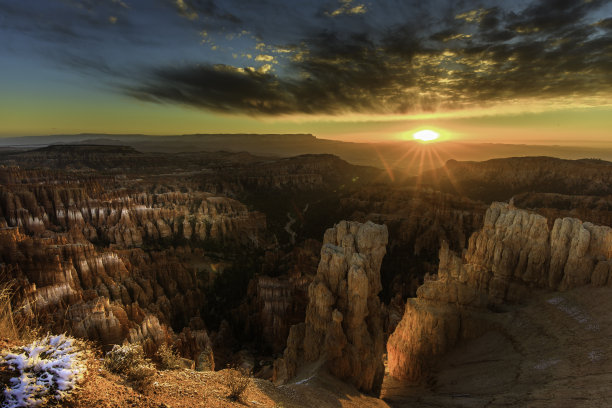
(129, 219)
(513, 253)
(108, 263)
(343, 326)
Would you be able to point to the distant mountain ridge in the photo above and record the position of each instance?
(500, 179)
(397, 156)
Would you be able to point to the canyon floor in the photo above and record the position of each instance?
(553, 352)
(191, 389)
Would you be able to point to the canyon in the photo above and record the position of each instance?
(390, 286)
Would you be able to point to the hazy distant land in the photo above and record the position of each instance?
(409, 156)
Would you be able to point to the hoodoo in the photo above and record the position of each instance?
(343, 327)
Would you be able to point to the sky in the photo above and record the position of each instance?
(520, 71)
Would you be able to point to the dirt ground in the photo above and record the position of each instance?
(191, 389)
(553, 352)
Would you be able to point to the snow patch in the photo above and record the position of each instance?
(45, 370)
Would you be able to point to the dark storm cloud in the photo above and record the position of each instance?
(605, 23)
(546, 50)
(192, 9)
(330, 56)
(63, 20)
(552, 15)
(337, 75)
(220, 88)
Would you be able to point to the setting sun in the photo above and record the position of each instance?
(426, 135)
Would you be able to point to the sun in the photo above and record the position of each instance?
(426, 135)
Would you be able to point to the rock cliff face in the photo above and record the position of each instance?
(513, 253)
(343, 326)
(278, 303)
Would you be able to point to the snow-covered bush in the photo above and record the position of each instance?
(44, 370)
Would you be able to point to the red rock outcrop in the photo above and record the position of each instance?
(343, 326)
(419, 220)
(513, 253)
(278, 303)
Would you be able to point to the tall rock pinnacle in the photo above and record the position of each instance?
(343, 327)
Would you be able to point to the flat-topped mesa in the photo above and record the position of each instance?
(512, 254)
(343, 326)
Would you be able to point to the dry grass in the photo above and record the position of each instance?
(9, 328)
(16, 325)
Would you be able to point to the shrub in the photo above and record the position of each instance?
(129, 361)
(43, 371)
(237, 380)
(168, 358)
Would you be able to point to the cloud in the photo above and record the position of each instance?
(185, 9)
(549, 16)
(264, 57)
(315, 57)
(473, 16)
(194, 9)
(219, 88)
(347, 7)
(402, 71)
(337, 76)
(605, 23)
